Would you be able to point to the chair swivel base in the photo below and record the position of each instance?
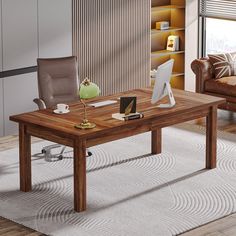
(49, 156)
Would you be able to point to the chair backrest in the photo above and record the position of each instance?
(57, 80)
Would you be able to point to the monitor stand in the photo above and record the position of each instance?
(170, 95)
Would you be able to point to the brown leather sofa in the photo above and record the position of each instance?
(206, 83)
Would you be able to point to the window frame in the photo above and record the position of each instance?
(202, 30)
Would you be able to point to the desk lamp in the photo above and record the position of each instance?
(87, 90)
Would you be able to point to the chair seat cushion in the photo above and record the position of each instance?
(224, 86)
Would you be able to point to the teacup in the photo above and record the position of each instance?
(62, 107)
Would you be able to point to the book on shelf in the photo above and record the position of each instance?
(131, 116)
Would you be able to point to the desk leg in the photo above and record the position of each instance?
(79, 175)
(25, 159)
(211, 138)
(156, 141)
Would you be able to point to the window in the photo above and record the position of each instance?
(220, 36)
(218, 26)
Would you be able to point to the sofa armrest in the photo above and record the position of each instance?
(41, 104)
(203, 70)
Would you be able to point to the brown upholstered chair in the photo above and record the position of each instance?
(57, 83)
(206, 83)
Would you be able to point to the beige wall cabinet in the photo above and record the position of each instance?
(19, 33)
(0, 36)
(35, 28)
(55, 28)
(30, 29)
(1, 109)
(19, 92)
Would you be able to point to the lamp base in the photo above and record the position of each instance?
(85, 125)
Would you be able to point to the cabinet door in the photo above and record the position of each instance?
(1, 108)
(0, 35)
(55, 28)
(19, 29)
(19, 92)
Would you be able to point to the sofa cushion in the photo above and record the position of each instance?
(224, 64)
(224, 86)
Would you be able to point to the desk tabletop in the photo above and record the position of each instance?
(186, 102)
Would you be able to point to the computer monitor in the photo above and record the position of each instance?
(162, 85)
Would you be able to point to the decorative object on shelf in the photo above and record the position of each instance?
(173, 43)
(127, 105)
(87, 90)
(162, 25)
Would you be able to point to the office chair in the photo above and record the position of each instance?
(57, 83)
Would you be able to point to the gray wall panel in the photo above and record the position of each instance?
(112, 41)
(19, 92)
(55, 28)
(0, 35)
(19, 28)
(1, 109)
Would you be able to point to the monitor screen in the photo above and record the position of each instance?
(163, 76)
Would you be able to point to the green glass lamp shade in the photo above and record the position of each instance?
(88, 90)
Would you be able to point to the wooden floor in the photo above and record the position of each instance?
(9, 228)
(223, 227)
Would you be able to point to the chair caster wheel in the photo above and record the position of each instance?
(90, 154)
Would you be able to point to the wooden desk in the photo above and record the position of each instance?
(60, 129)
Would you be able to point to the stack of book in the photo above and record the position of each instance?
(131, 116)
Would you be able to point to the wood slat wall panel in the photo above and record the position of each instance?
(111, 39)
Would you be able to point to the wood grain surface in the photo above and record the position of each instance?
(61, 129)
(221, 227)
(188, 106)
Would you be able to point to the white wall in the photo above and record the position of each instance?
(191, 43)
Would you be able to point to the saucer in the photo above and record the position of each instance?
(61, 112)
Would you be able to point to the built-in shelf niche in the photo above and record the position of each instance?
(172, 11)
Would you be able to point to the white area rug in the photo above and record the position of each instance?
(130, 192)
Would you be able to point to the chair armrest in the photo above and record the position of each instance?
(40, 103)
(203, 70)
